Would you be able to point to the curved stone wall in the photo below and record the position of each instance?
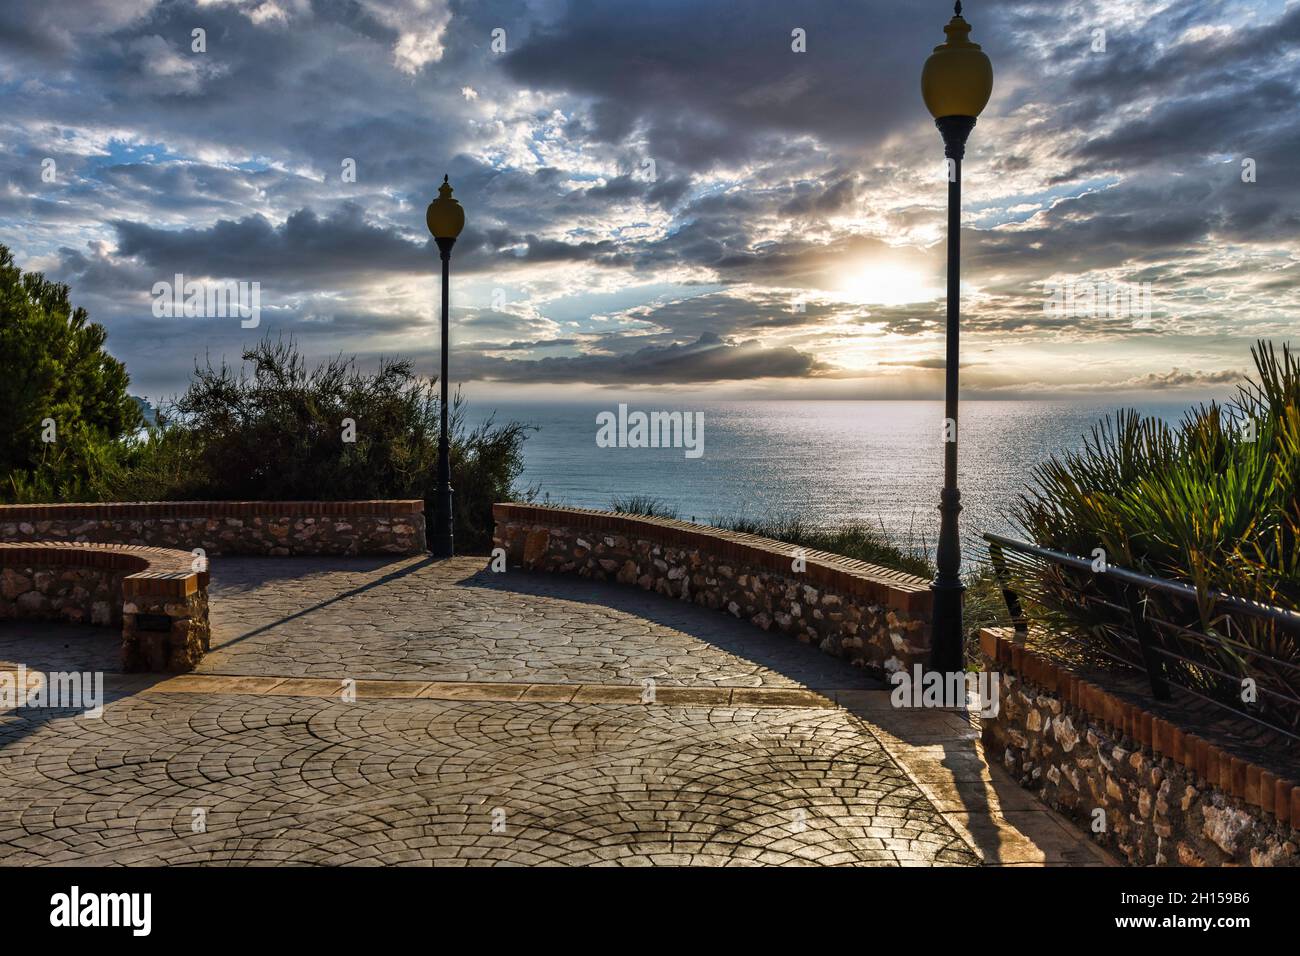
(278, 528)
(1142, 785)
(158, 596)
(872, 616)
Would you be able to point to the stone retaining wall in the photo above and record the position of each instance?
(1169, 798)
(157, 596)
(874, 617)
(278, 528)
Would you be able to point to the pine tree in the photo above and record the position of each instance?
(56, 381)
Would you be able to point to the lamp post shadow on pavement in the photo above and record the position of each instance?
(445, 219)
(956, 83)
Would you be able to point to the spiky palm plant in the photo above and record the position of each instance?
(1214, 503)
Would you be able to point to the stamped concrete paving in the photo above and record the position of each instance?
(498, 719)
(419, 619)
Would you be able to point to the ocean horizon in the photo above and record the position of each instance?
(828, 461)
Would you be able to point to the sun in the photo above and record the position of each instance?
(883, 284)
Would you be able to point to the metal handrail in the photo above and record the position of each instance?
(1153, 657)
(1288, 619)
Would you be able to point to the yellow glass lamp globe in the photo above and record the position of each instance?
(445, 216)
(958, 78)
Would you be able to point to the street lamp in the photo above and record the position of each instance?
(955, 83)
(445, 219)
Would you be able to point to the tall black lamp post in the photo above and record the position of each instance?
(956, 84)
(445, 219)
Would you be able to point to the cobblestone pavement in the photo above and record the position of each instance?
(314, 781)
(426, 620)
(498, 720)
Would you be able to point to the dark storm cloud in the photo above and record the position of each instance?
(1152, 106)
(1180, 378)
(930, 363)
(313, 88)
(186, 186)
(1149, 63)
(727, 314)
(499, 326)
(1099, 229)
(102, 275)
(520, 346)
(37, 30)
(706, 81)
(304, 247)
(1191, 128)
(708, 359)
(814, 198)
(776, 171)
(699, 333)
(540, 249)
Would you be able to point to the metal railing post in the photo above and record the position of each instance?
(1155, 667)
(1009, 596)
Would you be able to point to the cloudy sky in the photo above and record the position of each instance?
(665, 195)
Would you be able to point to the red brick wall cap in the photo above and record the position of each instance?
(118, 510)
(161, 572)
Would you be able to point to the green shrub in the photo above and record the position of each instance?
(852, 539)
(647, 506)
(276, 431)
(1214, 503)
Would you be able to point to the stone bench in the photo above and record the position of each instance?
(155, 594)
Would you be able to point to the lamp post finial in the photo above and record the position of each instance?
(957, 9)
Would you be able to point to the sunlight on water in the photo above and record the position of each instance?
(876, 461)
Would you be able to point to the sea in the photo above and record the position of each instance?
(828, 461)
